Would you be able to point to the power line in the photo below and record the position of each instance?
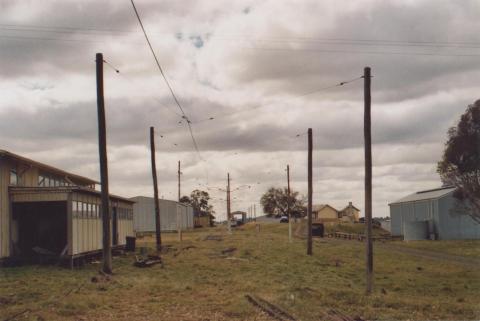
(166, 81)
(342, 83)
(398, 53)
(323, 40)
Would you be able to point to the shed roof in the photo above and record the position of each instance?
(426, 195)
(7, 154)
(65, 189)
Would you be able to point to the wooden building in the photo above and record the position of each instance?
(324, 212)
(44, 209)
(349, 214)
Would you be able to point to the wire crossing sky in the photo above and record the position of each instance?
(233, 87)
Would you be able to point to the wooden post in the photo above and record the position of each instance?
(228, 204)
(288, 206)
(155, 191)
(310, 192)
(102, 148)
(179, 173)
(368, 179)
(179, 218)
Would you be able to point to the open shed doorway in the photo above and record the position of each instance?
(42, 228)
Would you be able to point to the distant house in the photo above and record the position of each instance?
(349, 214)
(432, 214)
(327, 213)
(324, 212)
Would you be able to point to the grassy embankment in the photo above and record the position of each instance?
(202, 284)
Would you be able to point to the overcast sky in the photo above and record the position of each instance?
(224, 59)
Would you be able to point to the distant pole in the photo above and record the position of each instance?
(102, 148)
(288, 206)
(309, 208)
(228, 205)
(155, 190)
(368, 178)
(255, 212)
(179, 173)
(179, 217)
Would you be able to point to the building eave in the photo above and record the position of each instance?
(42, 166)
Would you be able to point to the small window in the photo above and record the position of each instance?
(75, 209)
(91, 213)
(83, 209)
(41, 180)
(13, 177)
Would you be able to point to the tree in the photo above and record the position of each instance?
(186, 200)
(275, 202)
(460, 164)
(199, 201)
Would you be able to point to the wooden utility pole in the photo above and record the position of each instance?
(368, 178)
(179, 217)
(102, 148)
(155, 190)
(179, 173)
(255, 212)
(310, 192)
(228, 204)
(288, 206)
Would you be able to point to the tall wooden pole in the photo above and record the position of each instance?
(368, 178)
(288, 206)
(155, 190)
(179, 173)
(179, 215)
(255, 212)
(228, 204)
(102, 148)
(310, 192)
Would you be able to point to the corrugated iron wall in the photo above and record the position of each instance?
(445, 222)
(172, 215)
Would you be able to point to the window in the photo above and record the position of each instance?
(13, 177)
(41, 180)
(84, 210)
(75, 209)
(90, 211)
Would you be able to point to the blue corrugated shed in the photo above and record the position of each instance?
(438, 208)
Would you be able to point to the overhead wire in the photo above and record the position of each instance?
(222, 115)
(250, 37)
(177, 102)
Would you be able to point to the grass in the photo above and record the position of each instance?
(353, 228)
(202, 284)
(467, 248)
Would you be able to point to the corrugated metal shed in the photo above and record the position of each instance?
(426, 195)
(439, 208)
(172, 215)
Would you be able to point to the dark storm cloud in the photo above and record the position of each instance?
(291, 63)
(226, 58)
(32, 45)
